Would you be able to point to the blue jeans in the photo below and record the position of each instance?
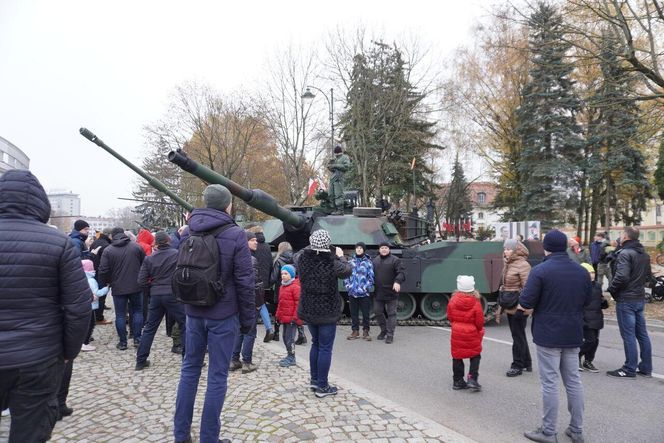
(266, 317)
(159, 306)
(218, 337)
(244, 343)
(136, 304)
(320, 356)
(632, 325)
(551, 361)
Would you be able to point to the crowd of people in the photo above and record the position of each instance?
(213, 308)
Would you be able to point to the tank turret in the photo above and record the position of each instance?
(158, 185)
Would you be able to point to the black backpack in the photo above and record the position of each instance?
(196, 280)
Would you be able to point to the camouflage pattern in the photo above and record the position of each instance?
(431, 269)
(338, 166)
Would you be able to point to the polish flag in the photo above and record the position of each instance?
(313, 185)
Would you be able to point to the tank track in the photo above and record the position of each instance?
(421, 321)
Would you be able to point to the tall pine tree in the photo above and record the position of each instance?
(458, 206)
(547, 126)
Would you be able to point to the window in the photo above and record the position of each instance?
(658, 210)
(481, 198)
(651, 236)
(480, 215)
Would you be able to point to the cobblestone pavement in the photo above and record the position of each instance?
(114, 403)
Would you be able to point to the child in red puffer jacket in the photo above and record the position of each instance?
(466, 316)
(289, 297)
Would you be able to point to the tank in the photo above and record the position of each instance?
(158, 185)
(431, 267)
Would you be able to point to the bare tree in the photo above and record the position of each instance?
(285, 115)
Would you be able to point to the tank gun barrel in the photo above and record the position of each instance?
(253, 197)
(158, 185)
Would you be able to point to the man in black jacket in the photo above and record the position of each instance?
(632, 270)
(155, 275)
(119, 267)
(263, 254)
(96, 250)
(388, 277)
(44, 307)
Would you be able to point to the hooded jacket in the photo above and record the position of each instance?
(97, 249)
(145, 240)
(289, 297)
(464, 311)
(362, 279)
(236, 271)
(44, 296)
(120, 265)
(264, 256)
(516, 269)
(632, 270)
(79, 243)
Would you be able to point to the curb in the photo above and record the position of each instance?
(433, 429)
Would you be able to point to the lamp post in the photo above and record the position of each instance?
(308, 96)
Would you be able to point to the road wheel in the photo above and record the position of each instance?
(434, 306)
(405, 306)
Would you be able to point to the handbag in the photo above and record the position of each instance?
(508, 299)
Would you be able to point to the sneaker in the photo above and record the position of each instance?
(459, 384)
(644, 374)
(137, 342)
(5, 413)
(389, 339)
(514, 372)
(87, 348)
(325, 392)
(366, 336)
(539, 435)
(382, 335)
(248, 367)
(142, 365)
(268, 336)
(620, 373)
(529, 369)
(235, 365)
(176, 349)
(353, 335)
(287, 361)
(121, 346)
(589, 366)
(473, 385)
(313, 384)
(275, 336)
(577, 437)
(581, 368)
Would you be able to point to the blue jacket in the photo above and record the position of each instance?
(557, 289)
(236, 270)
(79, 242)
(44, 295)
(361, 280)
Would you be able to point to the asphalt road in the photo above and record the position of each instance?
(416, 372)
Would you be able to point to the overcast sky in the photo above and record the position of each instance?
(110, 66)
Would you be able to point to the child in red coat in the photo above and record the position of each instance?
(466, 316)
(289, 297)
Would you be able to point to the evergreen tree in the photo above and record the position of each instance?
(659, 172)
(383, 127)
(458, 206)
(547, 126)
(616, 164)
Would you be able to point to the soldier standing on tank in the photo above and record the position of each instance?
(337, 165)
(388, 276)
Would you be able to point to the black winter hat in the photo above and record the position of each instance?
(250, 235)
(361, 245)
(555, 241)
(162, 238)
(384, 243)
(116, 231)
(80, 224)
(338, 149)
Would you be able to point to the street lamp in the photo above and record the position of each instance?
(308, 97)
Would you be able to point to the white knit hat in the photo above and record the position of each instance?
(320, 240)
(465, 283)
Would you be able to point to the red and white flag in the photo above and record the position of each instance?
(314, 184)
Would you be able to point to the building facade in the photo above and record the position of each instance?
(64, 204)
(11, 157)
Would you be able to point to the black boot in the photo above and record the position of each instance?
(301, 338)
(275, 336)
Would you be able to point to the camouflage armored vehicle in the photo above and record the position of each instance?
(431, 268)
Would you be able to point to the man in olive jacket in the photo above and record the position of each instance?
(388, 276)
(45, 307)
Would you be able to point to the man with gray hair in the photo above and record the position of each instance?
(627, 289)
(215, 327)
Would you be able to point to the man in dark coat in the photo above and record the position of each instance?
(215, 327)
(263, 255)
(79, 235)
(119, 267)
(155, 276)
(44, 307)
(556, 292)
(388, 276)
(632, 271)
(96, 250)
